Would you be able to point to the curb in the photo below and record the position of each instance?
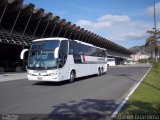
(12, 76)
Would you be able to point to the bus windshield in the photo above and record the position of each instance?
(42, 55)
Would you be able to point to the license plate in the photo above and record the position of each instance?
(39, 78)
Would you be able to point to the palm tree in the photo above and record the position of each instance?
(152, 42)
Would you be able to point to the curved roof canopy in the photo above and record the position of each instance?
(28, 23)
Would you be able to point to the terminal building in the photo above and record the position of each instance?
(21, 23)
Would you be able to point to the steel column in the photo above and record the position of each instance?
(27, 24)
(45, 29)
(83, 37)
(53, 29)
(96, 41)
(36, 27)
(75, 35)
(70, 34)
(15, 21)
(86, 38)
(59, 31)
(89, 38)
(65, 32)
(3, 12)
(79, 36)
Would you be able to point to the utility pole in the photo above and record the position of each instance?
(155, 28)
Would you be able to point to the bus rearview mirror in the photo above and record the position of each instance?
(22, 53)
(56, 53)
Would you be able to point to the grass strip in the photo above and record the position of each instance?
(144, 103)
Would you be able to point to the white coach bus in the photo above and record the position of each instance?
(58, 59)
(111, 62)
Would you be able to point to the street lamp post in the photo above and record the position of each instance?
(155, 28)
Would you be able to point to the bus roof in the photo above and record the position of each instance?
(88, 44)
(52, 38)
(84, 43)
(60, 38)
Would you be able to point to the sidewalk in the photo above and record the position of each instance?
(134, 65)
(12, 76)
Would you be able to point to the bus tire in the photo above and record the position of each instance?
(99, 72)
(72, 76)
(102, 70)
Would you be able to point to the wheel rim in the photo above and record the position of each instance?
(102, 70)
(72, 77)
(99, 72)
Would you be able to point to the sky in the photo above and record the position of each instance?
(124, 22)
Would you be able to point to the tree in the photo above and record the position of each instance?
(152, 42)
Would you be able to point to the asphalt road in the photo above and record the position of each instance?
(90, 97)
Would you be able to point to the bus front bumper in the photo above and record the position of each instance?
(43, 78)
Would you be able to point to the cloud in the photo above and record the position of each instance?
(150, 10)
(93, 25)
(114, 18)
(103, 22)
(117, 27)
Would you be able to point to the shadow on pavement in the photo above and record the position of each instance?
(143, 82)
(85, 109)
(44, 83)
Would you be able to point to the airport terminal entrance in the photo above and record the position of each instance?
(21, 23)
(10, 58)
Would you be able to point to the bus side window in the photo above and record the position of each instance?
(63, 51)
(71, 51)
(72, 47)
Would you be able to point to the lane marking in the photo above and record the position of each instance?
(127, 97)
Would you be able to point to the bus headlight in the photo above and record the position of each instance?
(52, 74)
(30, 74)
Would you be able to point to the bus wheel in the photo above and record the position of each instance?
(72, 76)
(102, 70)
(99, 72)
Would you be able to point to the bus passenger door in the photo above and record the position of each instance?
(63, 53)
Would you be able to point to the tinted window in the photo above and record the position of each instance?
(79, 49)
(72, 47)
(63, 52)
(45, 45)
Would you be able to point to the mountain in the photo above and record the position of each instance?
(139, 49)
